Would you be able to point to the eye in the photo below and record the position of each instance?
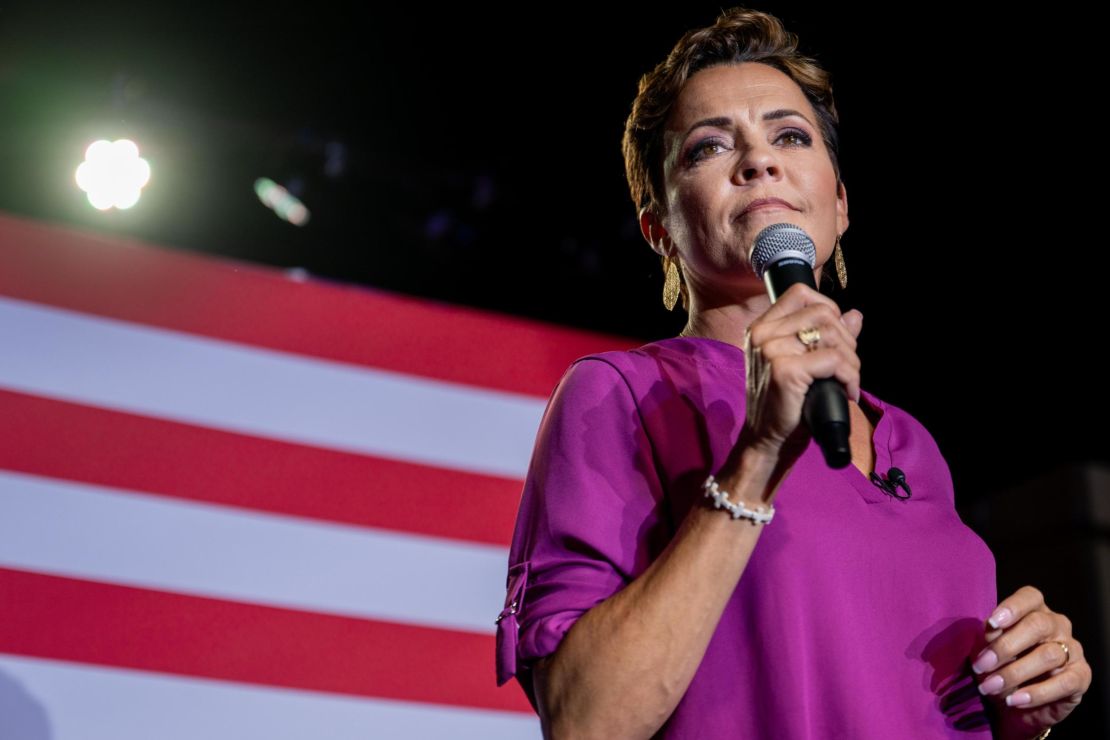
(698, 151)
(802, 137)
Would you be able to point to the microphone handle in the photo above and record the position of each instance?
(826, 404)
(826, 413)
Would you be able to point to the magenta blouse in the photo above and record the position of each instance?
(858, 613)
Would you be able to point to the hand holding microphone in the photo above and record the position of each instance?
(801, 353)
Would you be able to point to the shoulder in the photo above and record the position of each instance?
(602, 387)
(668, 392)
(597, 387)
(676, 359)
(597, 374)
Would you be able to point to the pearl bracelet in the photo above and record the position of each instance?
(738, 510)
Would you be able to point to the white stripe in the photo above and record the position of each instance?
(42, 699)
(157, 372)
(97, 533)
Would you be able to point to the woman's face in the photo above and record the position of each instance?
(739, 133)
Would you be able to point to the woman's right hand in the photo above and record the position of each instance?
(780, 368)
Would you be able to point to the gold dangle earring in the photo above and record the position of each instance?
(671, 282)
(841, 270)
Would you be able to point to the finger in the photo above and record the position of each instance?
(1076, 649)
(1015, 606)
(1070, 684)
(853, 320)
(1043, 658)
(814, 363)
(790, 345)
(1030, 630)
(826, 319)
(799, 371)
(784, 339)
(847, 372)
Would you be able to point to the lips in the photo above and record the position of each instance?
(765, 203)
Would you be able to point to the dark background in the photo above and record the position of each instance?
(473, 156)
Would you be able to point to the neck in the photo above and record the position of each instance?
(724, 318)
(725, 315)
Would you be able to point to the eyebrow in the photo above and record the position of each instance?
(724, 121)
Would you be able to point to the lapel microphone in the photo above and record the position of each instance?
(895, 479)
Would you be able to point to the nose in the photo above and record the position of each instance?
(759, 160)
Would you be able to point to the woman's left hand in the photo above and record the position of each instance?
(1032, 669)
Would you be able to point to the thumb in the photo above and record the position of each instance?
(853, 320)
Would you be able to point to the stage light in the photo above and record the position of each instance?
(113, 174)
(281, 201)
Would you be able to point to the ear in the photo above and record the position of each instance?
(841, 208)
(653, 230)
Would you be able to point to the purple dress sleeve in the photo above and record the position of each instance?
(590, 506)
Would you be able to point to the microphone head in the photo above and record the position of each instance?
(778, 241)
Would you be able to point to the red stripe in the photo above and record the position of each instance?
(88, 622)
(246, 303)
(66, 440)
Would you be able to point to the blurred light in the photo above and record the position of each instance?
(113, 174)
(281, 201)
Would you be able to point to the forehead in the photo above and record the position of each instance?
(742, 90)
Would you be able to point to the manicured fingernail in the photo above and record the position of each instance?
(1019, 699)
(991, 686)
(1000, 618)
(985, 662)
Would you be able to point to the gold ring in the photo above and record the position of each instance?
(810, 337)
(1067, 653)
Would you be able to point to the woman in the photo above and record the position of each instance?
(637, 606)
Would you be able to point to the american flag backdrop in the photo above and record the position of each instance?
(239, 504)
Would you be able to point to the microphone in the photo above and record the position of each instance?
(895, 478)
(784, 254)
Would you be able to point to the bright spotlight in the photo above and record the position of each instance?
(113, 174)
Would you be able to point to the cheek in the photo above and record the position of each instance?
(825, 184)
(698, 210)
(682, 219)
